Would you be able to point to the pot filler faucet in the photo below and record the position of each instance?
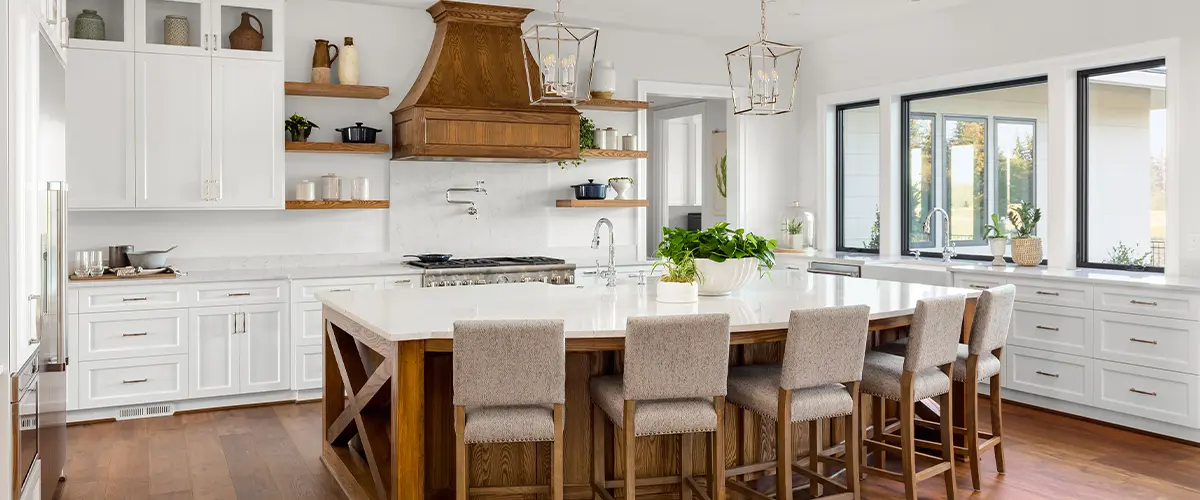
(947, 245)
(471, 210)
(611, 272)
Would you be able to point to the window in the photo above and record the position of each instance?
(1122, 167)
(858, 177)
(970, 152)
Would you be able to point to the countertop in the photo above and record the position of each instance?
(267, 274)
(597, 311)
(1091, 276)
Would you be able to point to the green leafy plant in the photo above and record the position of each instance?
(1125, 255)
(873, 243)
(722, 175)
(995, 230)
(719, 243)
(587, 140)
(793, 226)
(298, 127)
(1024, 219)
(675, 250)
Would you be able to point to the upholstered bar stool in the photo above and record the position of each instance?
(674, 382)
(923, 372)
(978, 360)
(819, 379)
(509, 387)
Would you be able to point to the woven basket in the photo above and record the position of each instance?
(1027, 251)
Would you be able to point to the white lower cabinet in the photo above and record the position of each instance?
(308, 367)
(214, 352)
(1146, 392)
(114, 382)
(132, 334)
(1050, 374)
(1052, 328)
(1161, 343)
(239, 350)
(307, 324)
(265, 349)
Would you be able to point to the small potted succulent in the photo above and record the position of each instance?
(680, 283)
(298, 128)
(1026, 248)
(997, 240)
(622, 186)
(793, 233)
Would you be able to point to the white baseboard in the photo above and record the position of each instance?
(92, 414)
(1102, 415)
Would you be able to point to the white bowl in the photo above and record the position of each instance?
(724, 278)
(676, 293)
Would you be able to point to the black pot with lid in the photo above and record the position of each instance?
(591, 191)
(358, 134)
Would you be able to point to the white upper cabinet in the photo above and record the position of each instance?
(262, 16)
(181, 27)
(174, 123)
(100, 124)
(118, 17)
(247, 152)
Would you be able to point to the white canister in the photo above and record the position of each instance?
(331, 187)
(360, 189)
(598, 138)
(306, 190)
(610, 139)
(604, 79)
(629, 142)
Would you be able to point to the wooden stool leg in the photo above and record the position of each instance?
(784, 454)
(879, 416)
(947, 428)
(853, 443)
(461, 474)
(556, 467)
(997, 423)
(814, 448)
(716, 484)
(598, 419)
(908, 446)
(685, 466)
(971, 408)
(630, 452)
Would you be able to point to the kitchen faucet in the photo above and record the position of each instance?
(611, 272)
(947, 245)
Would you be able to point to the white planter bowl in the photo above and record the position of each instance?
(724, 278)
(998, 246)
(676, 293)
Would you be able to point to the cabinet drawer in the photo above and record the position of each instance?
(249, 292)
(406, 281)
(1168, 344)
(307, 327)
(305, 291)
(1146, 392)
(1052, 328)
(1148, 302)
(1050, 374)
(1058, 293)
(129, 299)
(117, 382)
(309, 367)
(976, 282)
(132, 334)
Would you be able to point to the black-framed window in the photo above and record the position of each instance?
(1122, 167)
(857, 176)
(959, 156)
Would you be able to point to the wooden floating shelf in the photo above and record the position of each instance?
(332, 90)
(336, 204)
(601, 203)
(612, 153)
(336, 147)
(613, 105)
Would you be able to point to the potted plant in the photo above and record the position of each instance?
(680, 283)
(729, 258)
(997, 240)
(587, 140)
(793, 230)
(298, 128)
(1026, 248)
(621, 185)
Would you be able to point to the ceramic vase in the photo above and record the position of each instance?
(604, 79)
(89, 25)
(623, 187)
(348, 68)
(245, 37)
(997, 246)
(1027, 251)
(322, 61)
(676, 293)
(724, 278)
(176, 30)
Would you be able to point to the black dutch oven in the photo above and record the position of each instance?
(591, 191)
(358, 134)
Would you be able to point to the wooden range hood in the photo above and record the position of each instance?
(471, 100)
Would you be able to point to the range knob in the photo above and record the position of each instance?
(481, 281)
(503, 279)
(445, 283)
(458, 282)
(545, 279)
(526, 279)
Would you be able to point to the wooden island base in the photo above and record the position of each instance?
(393, 436)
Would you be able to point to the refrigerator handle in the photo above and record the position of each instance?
(60, 264)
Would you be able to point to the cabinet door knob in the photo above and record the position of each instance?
(205, 47)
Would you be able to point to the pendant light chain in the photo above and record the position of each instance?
(763, 33)
(558, 14)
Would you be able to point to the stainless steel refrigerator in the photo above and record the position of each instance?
(52, 351)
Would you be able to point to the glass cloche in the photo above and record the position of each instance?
(799, 228)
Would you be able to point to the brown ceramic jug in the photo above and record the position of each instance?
(245, 37)
(322, 61)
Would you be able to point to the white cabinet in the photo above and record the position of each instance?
(116, 382)
(247, 156)
(174, 152)
(100, 124)
(1146, 392)
(309, 367)
(260, 14)
(239, 349)
(209, 24)
(214, 352)
(265, 349)
(307, 325)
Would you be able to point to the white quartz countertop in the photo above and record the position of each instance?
(1092, 276)
(597, 311)
(266, 274)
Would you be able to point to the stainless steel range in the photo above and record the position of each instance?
(493, 270)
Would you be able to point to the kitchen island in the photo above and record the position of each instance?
(387, 416)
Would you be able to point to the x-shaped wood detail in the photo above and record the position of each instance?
(369, 396)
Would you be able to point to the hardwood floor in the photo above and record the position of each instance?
(273, 453)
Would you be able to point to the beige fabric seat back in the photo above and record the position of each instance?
(509, 363)
(825, 346)
(676, 357)
(993, 315)
(936, 329)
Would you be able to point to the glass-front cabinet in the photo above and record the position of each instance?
(242, 29)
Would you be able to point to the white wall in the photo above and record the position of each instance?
(517, 216)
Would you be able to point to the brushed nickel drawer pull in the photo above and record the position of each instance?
(1140, 341)
(1143, 303)
(402, 282)
(238, 294)
(134, 381)
(132, 299)
(1052, 294)
(1144, 393)
(134, 334)
(979, 287)
(1050, 328)
(1039, 372)
(340, 290)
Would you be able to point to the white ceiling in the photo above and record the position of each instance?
(788, 21)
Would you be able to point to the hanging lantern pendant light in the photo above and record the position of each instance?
(763, 74)
(558, 52)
